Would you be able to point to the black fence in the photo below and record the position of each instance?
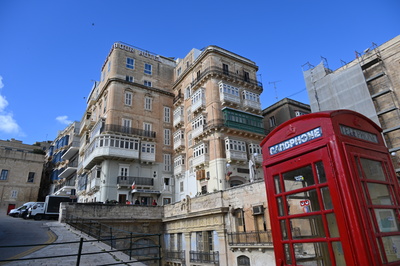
(204, 257)
(144, 248)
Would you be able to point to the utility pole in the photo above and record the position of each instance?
(276, 92)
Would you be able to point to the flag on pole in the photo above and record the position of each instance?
(133, 185)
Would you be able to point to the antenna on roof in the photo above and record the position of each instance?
(274, 82)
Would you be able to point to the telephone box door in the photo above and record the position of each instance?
(375, 189)
(307, 223)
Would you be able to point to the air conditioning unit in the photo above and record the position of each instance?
(258, 210)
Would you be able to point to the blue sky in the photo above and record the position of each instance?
(51, 51)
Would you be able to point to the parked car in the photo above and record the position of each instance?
(21, 211)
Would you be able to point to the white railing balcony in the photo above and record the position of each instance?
(248, 104)
(226, 97)
(178, 119)
(198, 131)
(179, 144)
(94, 185)
(179, 170)
(148, 157)
(201, 160)
(236, 156)
(167, 188)
(198, 105)
(104, 146)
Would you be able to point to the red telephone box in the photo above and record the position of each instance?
(333, 196)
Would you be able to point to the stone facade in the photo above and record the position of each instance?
(21, 168)
(370, 85)
(283, 111)
(126, 131)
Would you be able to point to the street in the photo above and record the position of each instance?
(17, 231)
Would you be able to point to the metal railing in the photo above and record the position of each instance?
(129, 130)
(250, 238)
(175, 255)
(204, 256)
(220, 71)
(141, 246)
(139, 181)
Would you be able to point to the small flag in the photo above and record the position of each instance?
(133, 185)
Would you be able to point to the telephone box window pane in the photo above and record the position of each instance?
(311, 254)
(392, 247)
(283, 229)
(303, 202)
(299, 178)
(280, 206)
(277, 184)
(307, 227)
(379, 194)
(338, 252)
(373, 169)
(326, 198)
(332, 225)
(320, 172)
(387, 221)
(288, 255)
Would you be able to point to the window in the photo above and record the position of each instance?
(167, 137)
(148, 69)
(4, 174)
(147, 83)
(167, 114)
(147, 126)
(246, 76)
(130, 63)
(200, 150)
(251, 96)
(225, 69)
(14, 194)
(235, 145)
(188, 93)
(123, 171)
(299, 113)
(148, 147)
(31, 177)
(126, 125)
(243, 261)
(109, 66)
(272, 121)
(105, 104)
(148, 103)
(179, 72)
(166, 201)
(228, 89)
(204, 241)
(129, 78)
(181, 186)
(167, 162)
(128, 98)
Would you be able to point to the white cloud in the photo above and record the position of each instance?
(7, 122)
(63, 120)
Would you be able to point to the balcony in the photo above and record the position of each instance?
(110, 147)
(251, 105)
(178, 98)
(175, 256)
(236, 156)
(254, 238)
(179, 144)
(228, 99)
(178, 117)
(201, 160)
(127, 181)
(198, 101)
(219, 71)
(94, 186)
(179, 170)
(198, 131)
(204, 257)
(71, 168)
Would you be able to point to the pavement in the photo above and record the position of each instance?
(64, 233)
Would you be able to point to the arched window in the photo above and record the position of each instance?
(243, 261)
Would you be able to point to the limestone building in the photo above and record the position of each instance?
(283, 111)
(126, 146)
(21, 168)
(217, 122)
(370, 85)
